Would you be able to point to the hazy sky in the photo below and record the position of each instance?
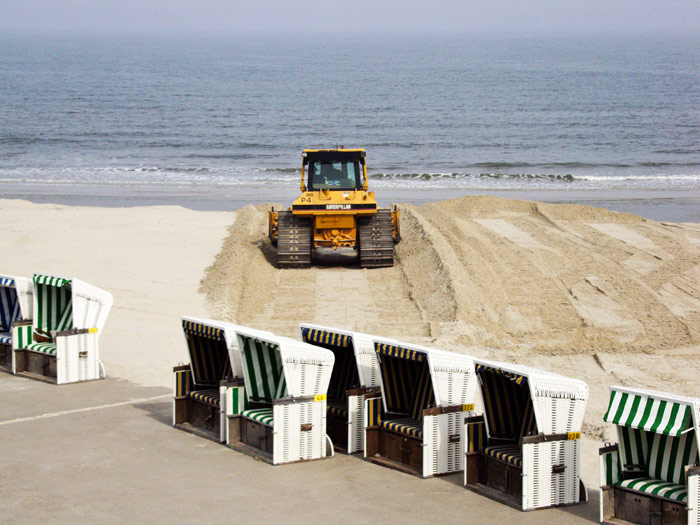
(465, 17)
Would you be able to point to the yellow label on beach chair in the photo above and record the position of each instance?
(321, 397)
(92, 330)
(468, 408)
(573, 435)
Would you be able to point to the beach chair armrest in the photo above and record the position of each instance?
(74, 331)
(183, 381)
(22, 333)
(610, 468)
(475, 435)
(693, 486)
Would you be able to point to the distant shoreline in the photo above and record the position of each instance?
(659, 205)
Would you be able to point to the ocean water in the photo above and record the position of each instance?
(120, 116)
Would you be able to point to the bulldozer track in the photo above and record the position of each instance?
(293, 241)
(376, 240)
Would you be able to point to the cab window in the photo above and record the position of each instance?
(334, 175)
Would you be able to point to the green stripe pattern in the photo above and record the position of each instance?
(668, 456)
(648, 413)
(53, 300)
(262, 367)
(261, 415)
(663, 489)
(238, 402)
(634, 448)
(508, 407)
(42, 348)
(24, 335)
(208, 353)
(344, 376)
(611, 463)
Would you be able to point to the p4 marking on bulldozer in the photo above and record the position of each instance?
(335, 214)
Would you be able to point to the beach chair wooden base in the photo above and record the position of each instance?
(495, 479)
(502, 482)
(198, 418)
(394, 450)
(6, 357)
(621, 505)
(35, 365)
(250, 438)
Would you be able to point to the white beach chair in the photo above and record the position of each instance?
(286, 384)
(651, 476)
(16, 295)
(525, 450)
(61, 343)
(211, 385)
(355, 378)
(417, 425)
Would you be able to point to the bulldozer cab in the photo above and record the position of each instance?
(343, 170)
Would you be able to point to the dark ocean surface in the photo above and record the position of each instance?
(217, 123)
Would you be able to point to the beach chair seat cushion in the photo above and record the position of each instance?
(5, 338)
(657, 487)
(408, 427)
(338, 409)
(42, 348)
(511, 454)
(209, 397)
(261, 415)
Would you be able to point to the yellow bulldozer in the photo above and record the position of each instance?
(335, 214)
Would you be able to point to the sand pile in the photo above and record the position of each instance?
(599, 295)
(490, 272)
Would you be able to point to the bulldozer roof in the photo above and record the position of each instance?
(333, 155)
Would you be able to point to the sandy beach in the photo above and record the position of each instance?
(602, 296)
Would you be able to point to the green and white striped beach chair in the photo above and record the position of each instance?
(286, 383)
(525, 450)
(15, 306)
(210, 388)
(418, 423)
(355, 378)
(61, 343)
(651, 474)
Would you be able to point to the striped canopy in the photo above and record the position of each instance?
(262, 368)
(9, 304)
(517, 379)
(208, 353)
(399, 352)
(325, 338)
(508, 407)
(407, 385)
(345, 375)
(53, 300)
(645, 412)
